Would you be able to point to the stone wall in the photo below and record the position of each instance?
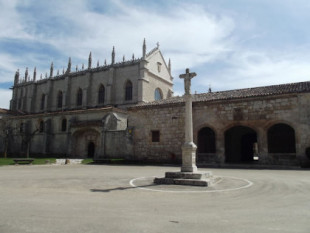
(258, 114)
(169, 121)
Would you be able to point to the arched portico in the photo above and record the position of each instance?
(239, 142)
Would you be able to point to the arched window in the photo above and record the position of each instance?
(21, 127)
(101, 94)
(42, 102)
(59, 99)
(79, 97)
(41, 126)
(64, 125)
(128, 91)
(158, 94)
(281, 139)
(206, 140)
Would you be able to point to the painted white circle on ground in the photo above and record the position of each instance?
(148, 181)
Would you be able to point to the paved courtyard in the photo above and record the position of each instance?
(106, 198)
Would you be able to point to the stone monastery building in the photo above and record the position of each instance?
(127, 110)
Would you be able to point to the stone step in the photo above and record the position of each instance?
(192, 182)
(188, 175)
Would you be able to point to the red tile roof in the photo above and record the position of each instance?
(301, 87)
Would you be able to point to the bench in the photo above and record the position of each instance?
(23, 161)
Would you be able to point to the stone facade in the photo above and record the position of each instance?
(82, 114)
(126, 110)
(241, 121)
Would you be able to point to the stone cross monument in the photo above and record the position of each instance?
(188, 174)
(189, 147)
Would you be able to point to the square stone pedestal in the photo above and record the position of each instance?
(186, 178)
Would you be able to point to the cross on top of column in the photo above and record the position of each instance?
(187, 80)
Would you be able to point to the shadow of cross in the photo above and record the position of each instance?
(120, 188)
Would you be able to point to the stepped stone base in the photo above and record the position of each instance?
(186, 178)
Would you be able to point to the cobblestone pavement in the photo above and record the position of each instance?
(103, 198)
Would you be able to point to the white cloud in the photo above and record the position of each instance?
(260, 68)
(11, 23)
(190, 34)
(6, 96)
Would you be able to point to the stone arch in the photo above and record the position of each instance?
(206, 145)
(81, 142)
(239, 141)
(281, 139)
(206, 140)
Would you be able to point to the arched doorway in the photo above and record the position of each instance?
(239, 142)
(85, 143)
(206, 145)
(281, 139)
(91, 150)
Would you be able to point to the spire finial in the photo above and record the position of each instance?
(76, 68)
(89, 61)
(97, 63)
(144, 49)
(210, 90)
(157, 45)
(169, 66)
(16, 79)
(133, 57)
(69, 66)
(105, 62)
(26, 74)
(51, 70)
(113, 56)
(57, 72)
(123, 58)
(83, 66)
(35, 74)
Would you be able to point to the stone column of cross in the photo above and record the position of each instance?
(189, 148)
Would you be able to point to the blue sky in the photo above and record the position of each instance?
(229, 44)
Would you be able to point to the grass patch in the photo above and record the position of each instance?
(87, 161)
(40, 161)
(6, 161)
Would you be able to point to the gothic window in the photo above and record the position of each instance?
(155, 136)
(79, 97)
(59, 99)
(281, 139)
(101, 94)
(158, 94)
(64, 125)
(41, 126)
(128, 91)
(42, 102)
(21, 127)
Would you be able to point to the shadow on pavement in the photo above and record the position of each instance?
(120, 188)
